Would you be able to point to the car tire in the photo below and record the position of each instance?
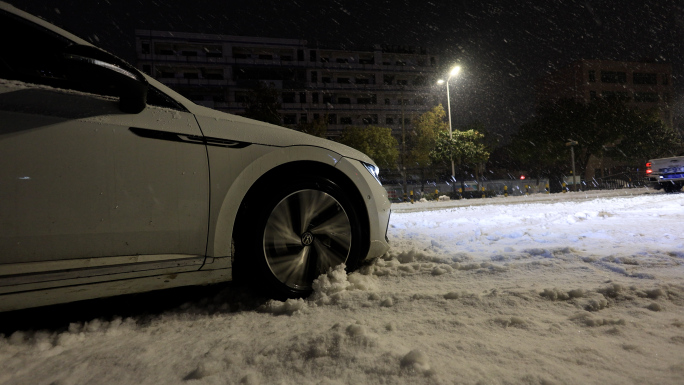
(671, 187)
(307, 227)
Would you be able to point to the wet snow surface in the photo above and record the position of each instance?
(564, 289)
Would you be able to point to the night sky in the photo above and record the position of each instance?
(504, 47)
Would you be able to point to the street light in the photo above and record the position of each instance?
(454, 72)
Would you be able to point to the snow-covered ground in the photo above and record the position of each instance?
(576, 288)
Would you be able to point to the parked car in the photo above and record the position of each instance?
(666, 173)
(112, 183)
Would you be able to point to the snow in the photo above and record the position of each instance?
(575, 288)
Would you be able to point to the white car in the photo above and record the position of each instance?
(111, 183)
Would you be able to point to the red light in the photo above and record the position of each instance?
(522, 177)
(648, 171)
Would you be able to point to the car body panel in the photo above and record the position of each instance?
(82, 185)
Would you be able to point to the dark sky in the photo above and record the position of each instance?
(503, 46)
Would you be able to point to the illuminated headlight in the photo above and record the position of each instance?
(373, 169)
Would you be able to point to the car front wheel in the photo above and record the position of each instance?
(302, 231)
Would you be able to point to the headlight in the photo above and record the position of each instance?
(373, 169)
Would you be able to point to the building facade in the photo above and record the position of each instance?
(644, 85)
(380, 85)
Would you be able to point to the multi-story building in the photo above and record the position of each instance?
(645, 85)
(378, 86)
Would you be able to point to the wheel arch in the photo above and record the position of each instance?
(270, 169)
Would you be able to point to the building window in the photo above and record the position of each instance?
(327, 98)
(314, 76)
(300, 55)
(332, 118)
(646, 97)
(166, 52)
(302, 97)
(343, 81)
(316, 117)
(341, 60)
(288, 97)
(592, 95)
(189, 53)
(370, 119)
(345, 120)
(145, 48)
(341, 100)
(213, 75)
(303, 118)
(387, 79)
(367, 60)
(387, 101)
(363, 100)
(219, 98)
(592, 76)
(241, 97)
(644, 78)
(362, 81)
(265, 57)
(290, 119)
(665, 79)
(286, 57)
(314, 97)
(615, 95)
(389, 120)
(190, 75)
(312, 55)
(326, 79)
(613, 77)
(402, 82)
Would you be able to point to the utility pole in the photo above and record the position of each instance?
(403, 144)
(571, 143)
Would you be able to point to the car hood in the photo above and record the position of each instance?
(217, 124)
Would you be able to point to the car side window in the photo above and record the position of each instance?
(31, 52)
(41, 57)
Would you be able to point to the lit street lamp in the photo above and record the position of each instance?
(454, 72)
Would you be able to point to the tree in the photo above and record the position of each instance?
(376, 142)
(465, 148)
(427, 127)
(650, 139)
(602, 128)
(263, 104)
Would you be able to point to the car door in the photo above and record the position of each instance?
(84, 184)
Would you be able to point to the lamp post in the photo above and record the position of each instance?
(454, 72)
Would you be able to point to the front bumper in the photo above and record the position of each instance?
(376, 201)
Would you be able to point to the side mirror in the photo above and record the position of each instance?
(100, 72)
